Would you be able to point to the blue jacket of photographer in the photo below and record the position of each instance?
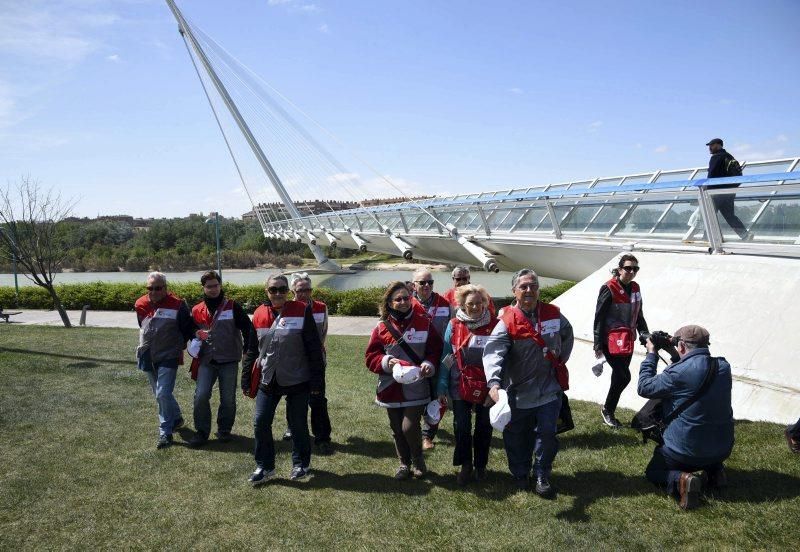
(703, 433)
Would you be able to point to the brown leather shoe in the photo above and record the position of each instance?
(794, 446)
(689, 487)
(427, 443)
(464, 475)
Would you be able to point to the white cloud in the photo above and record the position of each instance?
(6, 106)
(324, 28)
(309, 8)
(113, 57)
(725, 101)
(342, 177)
(279, 2)
(781, 138)
(51, 32)
(595, 126)
(516, 91)
(763, 155)
(638, 146)
(661, 149)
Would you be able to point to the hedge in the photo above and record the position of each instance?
(122, 296)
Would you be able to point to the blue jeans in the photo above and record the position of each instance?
(296, 415)
(666, 472)
(207, 375)
(162, 382)
(532, 430)
(465, 441)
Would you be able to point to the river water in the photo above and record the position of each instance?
(499, 285)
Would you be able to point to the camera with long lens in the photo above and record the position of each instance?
(662, 341)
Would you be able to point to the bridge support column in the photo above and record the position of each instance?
(362, 245)
(486, 260)
(402, 245)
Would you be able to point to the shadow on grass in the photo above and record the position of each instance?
(588, 487)
(91, 362)
(360, 482)
(598, 440)
(751, 486)
(364, 447)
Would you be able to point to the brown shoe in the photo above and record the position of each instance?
(464, 475)
(794, 446)
(689, 487)
(427, 443)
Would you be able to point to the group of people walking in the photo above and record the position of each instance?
(432, 353)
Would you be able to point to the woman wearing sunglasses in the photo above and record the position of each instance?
(404, 350)
(617, 318)
(289, 363)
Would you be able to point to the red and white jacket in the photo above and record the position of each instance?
(418, 331)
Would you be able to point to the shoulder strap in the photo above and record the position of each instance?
(537, 338)
(402, 342)
(710, 375)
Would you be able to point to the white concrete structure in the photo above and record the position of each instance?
(750, 306)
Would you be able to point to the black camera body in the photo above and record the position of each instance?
(664, 341)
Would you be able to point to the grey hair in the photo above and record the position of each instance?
(299, 277)
(520, 273)
(420, 270)
(277, 276)
(158, 276)
(459, 270)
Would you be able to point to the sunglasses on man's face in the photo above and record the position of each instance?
(461, 278)
(633, 269)
(304, 290)
(155, 288)
(424, 282)
(278, 290)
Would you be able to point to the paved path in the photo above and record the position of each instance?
(338, 325)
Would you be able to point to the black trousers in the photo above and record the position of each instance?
(794, 431)
(471, 449)
(320, 420)
(724, 205)
(620, 378)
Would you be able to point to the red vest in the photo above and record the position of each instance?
(624, 310)
(390, 393)
(438, 312)
(285, 351)
(159, 331)
(471, 350)
(549, 322)
(225, 345)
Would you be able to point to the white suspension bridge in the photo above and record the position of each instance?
(745, 289)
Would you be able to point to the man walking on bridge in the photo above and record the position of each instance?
(722, 164)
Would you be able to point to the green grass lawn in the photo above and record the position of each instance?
(79, 469)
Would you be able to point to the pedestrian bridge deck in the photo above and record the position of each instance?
(580, 224)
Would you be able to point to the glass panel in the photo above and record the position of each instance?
(643, 179)
(765, 168)
(674, 176)
(511, 219)
(607, 218)
(496, 217)
(606, 182)
(642, 218)
(418, 221)
(579, 218)
(368, 223)
(531, 220)
(680, 218)
(781, 218)
(474, 223)
(392, 222)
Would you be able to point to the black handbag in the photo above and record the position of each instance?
(652, 422)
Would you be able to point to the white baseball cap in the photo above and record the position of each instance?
(433, 413)
(500, 413)
(194, 348)
(406, 374)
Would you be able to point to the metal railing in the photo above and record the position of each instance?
(678, 206)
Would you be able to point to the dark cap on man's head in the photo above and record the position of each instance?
(715, 141)
(697, 335)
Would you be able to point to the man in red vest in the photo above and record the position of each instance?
(438, 311)
(165, 326)
(518, 357)
(227, 332)
(461, 277)
(318, 404)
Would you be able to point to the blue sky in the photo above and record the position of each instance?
(98, 97)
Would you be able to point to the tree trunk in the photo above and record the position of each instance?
(58, 306)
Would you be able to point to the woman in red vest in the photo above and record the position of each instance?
(404, 350)
(461, 376)
(617, 318)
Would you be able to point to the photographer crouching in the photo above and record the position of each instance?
(697, 423)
